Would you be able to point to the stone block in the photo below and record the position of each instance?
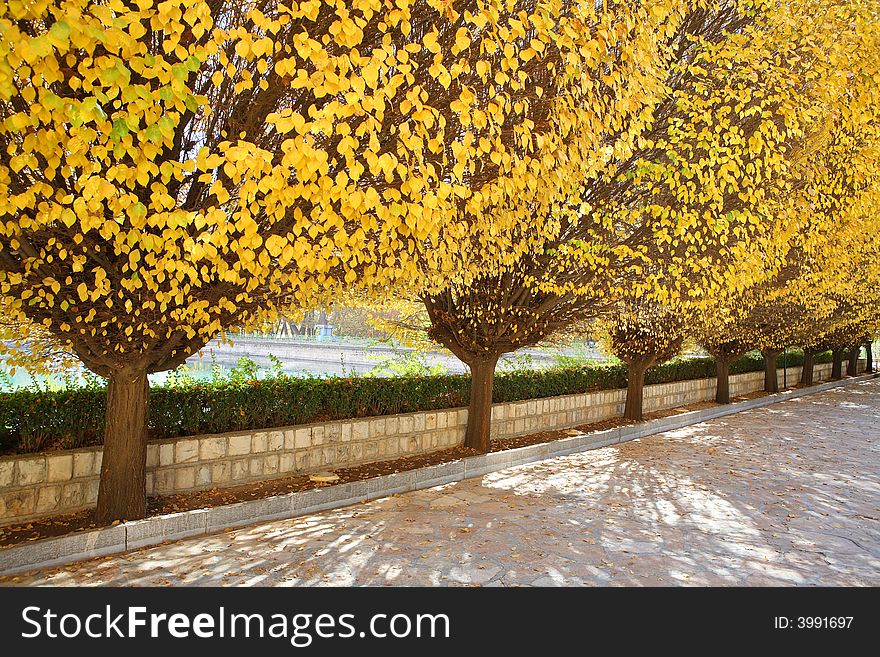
(90, 496)
(418, 422)
(220, 472)
(186, 451)
(475, 466)
(18, 504)
(275, 441)
(256, 467)
(184, 478)
(303, 439)
(269, 508)
(392, 426)
(211, 449)
(230, 515)
(287, 462)
(406, 424)
(371, 450)
(430, 421)
(259, 442)
(436, 475)
(303, 460)
(345, 431)
(63, 549)
(153, 531)
(59, 467)
(316, 457)
(239, 445)
(318, 435)
(152, 459)
(166, 454)
(290, 439)
(203, 476)
(7, 473)
(47, 499)
(377, 428)
(319, 499)
(397, 482)
(332, 432)
(443, 419)
(239, 470)
(360, 430)
(72, 495)
(271, 464)
(30, 471)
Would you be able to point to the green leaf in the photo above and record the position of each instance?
(120, 129)
(60, 31)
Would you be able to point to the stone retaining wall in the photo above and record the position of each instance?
(63, 482)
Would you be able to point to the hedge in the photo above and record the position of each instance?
(31, 420)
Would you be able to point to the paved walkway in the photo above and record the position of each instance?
(788, 494)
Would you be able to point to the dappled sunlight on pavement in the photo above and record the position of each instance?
(783, 495)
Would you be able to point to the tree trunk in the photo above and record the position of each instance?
(771, 382)
(869, 359)
(836, 364)
(122, 492)
(480, 408)
(722, 387)
(807, 371)
(852, 366)
(635, 389)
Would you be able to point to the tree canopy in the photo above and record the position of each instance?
(170, 170)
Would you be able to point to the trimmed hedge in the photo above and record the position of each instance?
(34, 420)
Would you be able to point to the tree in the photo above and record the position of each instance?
(487, 308)
(664, 207)
(642, 334)
(724, 354)
(172, 169)
(727, 320)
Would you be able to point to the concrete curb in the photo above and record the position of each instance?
(153, 531)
